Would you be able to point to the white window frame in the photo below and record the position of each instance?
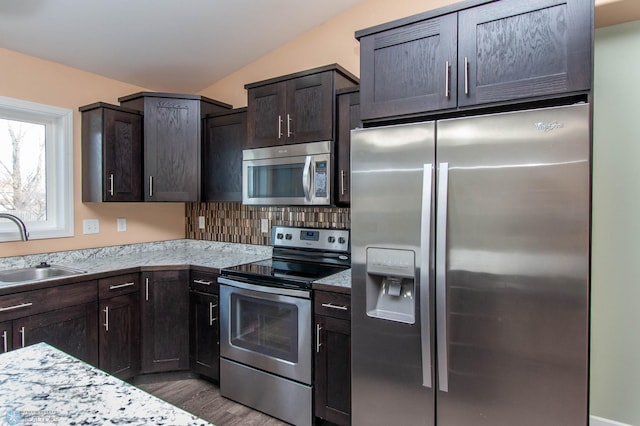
(59, 168)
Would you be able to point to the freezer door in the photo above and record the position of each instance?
(513, 280)
(391, 221)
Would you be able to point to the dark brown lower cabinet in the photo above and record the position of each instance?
(333, 358)
(73, 330)
(120, 335)
(204, 345)
(165, 321)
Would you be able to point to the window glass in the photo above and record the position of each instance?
(35, 169)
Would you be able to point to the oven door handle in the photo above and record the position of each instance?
(305, 294)
(306, 178)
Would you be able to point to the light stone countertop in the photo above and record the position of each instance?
(184, 252)
(42, 385)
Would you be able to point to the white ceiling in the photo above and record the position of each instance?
(180, 46)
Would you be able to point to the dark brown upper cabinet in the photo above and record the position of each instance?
(111, 153)
(295, 108)
(172, 142)
(348, 118)
(224, 138)
(476, 53)
(409, 69)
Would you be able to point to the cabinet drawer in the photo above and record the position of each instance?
(335, 305)
(27, 303)
(205, 282)
(116, 286)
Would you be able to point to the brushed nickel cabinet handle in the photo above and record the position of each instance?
(332, 306)
(279, 126)
(341, 182)
(23, 334)
(466, 76)
(117, 286)
(111, 184)
(5, 344)
(447, 78)
(318, 343)
(14, 307)
(106, 319)
(150, 186)
(212, 306)
(146, 289)
(203, 282)
(289, 120)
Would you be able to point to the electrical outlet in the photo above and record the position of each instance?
(264, 225)
(201, 222)
(122, 224)
(90, 226)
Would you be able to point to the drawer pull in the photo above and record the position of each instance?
(106, 319)
(332, 306)
(23, 337)
(203, 282)
(11, 308)
(318, 343)
(117, 286)
(5, 343)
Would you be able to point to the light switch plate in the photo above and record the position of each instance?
(201, 222)
(264, 225)
(90, 226)
(122, 224)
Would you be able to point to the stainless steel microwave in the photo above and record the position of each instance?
(297, 174)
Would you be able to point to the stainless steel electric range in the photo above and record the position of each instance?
(266, 321)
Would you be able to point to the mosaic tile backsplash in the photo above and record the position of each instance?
(238, 223)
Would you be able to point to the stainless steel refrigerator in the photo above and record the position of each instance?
(470, 270)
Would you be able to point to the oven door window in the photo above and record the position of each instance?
(276, 181)
(264, 326)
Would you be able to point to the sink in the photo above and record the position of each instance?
(37, 273)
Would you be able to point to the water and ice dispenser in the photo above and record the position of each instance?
(391, 284)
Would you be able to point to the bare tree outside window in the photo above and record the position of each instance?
(22, 169)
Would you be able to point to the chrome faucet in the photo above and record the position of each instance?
(24, 235)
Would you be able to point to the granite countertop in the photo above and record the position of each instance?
(173, 253)
(42, 385)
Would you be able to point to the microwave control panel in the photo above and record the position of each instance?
(320, 179)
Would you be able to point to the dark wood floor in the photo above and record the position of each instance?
(203, 399)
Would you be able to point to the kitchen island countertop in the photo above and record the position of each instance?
(41, 385)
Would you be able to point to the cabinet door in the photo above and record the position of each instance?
(266, 115)
(514, 49)
(333, 370)
(120, 335)
(122, 148)
(165, 321)
(73, 330)
(309, 110)
(410, 69)
(172, 149)
(204, 345)
(348, 118)
(224, 139)
(6, 336)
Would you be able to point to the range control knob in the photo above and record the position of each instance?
(332, 239)
(341, 240)
(288, 236)
(279, 236)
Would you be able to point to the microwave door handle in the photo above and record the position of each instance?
(306, 178)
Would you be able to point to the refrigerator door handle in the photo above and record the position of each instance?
(425, 257)
(441, 277)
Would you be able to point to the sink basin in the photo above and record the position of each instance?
(36, 273)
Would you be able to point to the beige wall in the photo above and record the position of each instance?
(615, 287)
(32, 79)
